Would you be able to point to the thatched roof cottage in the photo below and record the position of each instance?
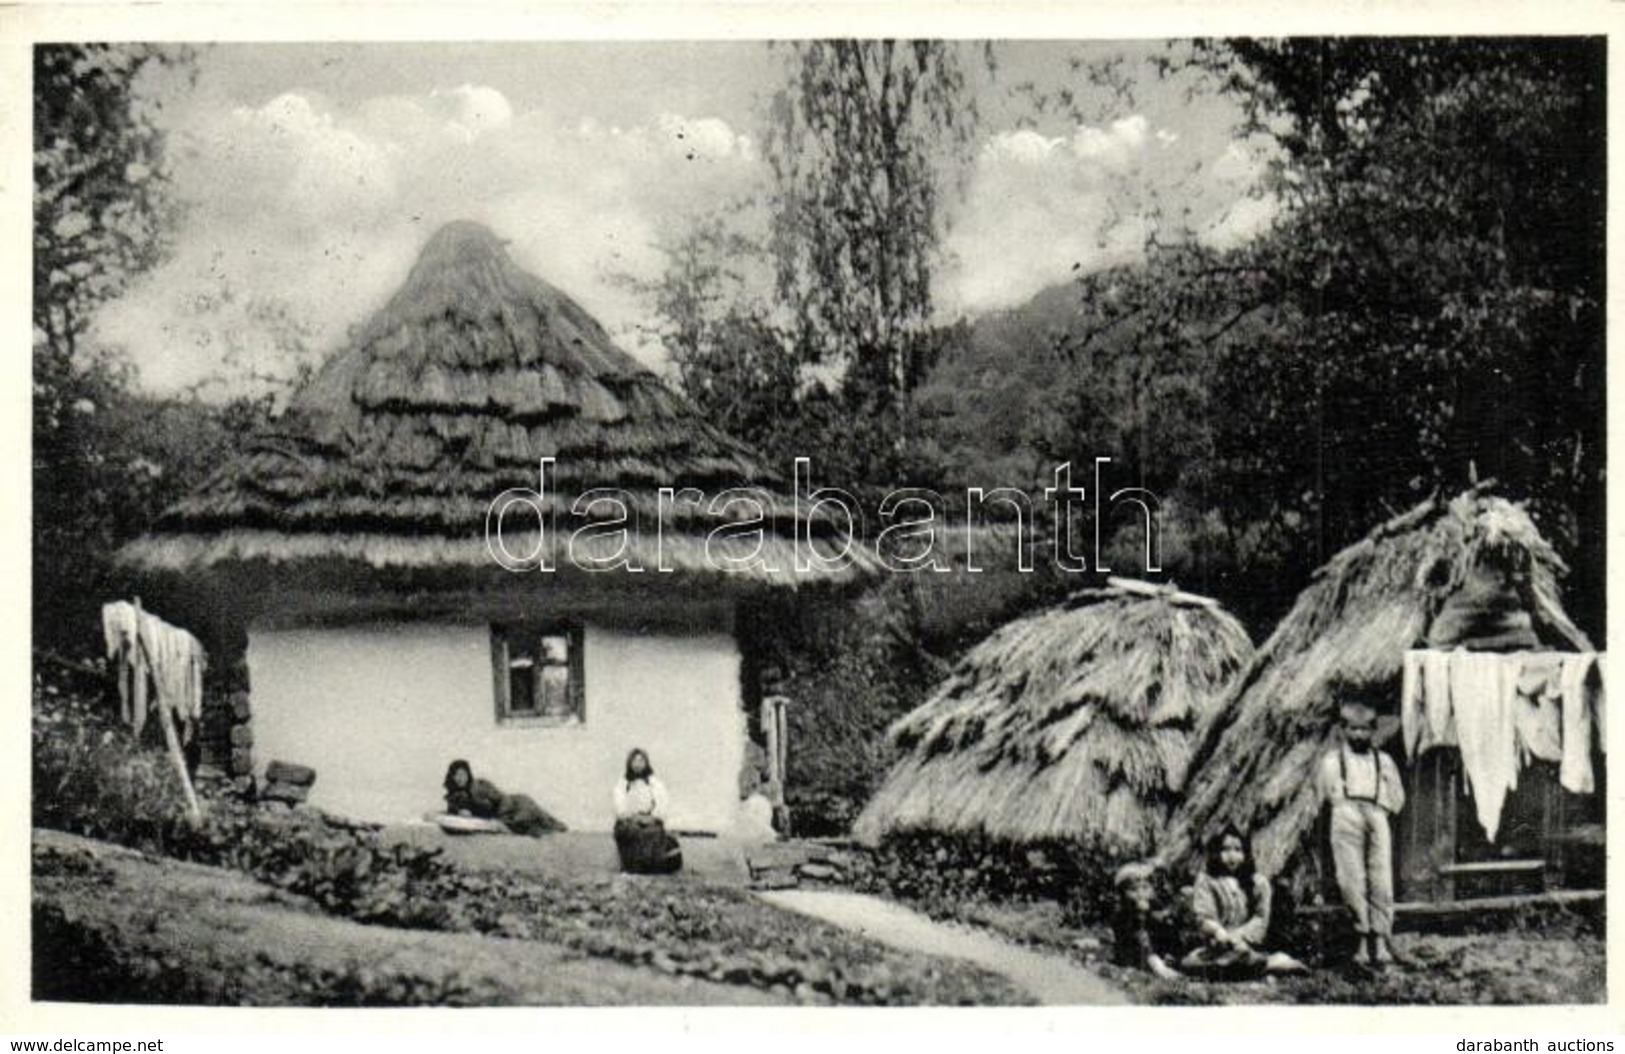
(1348, 633)
(342, 564)
(1075, 723)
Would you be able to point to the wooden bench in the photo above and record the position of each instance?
(1516, 871)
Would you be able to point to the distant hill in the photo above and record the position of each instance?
(979, 403)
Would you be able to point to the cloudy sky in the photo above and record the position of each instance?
(311, 176)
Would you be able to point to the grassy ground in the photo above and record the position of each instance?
(351, 885)
(1558, 961)
(114, 925)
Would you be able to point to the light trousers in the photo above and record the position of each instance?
(1363, 857)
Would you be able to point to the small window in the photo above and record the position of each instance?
(538, 674)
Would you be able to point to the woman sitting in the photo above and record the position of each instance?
(640, 821)
(467, 796)
(1231, 903)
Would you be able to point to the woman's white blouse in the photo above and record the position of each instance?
(639, 797)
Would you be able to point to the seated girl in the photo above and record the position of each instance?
(1231, 904)
(640, 821)
(468, 796)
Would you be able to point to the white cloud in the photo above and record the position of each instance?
(1242, 221)
(1039, 205)
(1040, 208)
(707, 137)
(1114, 145)
(472, 109)
(1025, 146)
(322, 209)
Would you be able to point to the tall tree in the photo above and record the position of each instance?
(100, 209)
(1442, 253)
(865, 142)
(101, 214)
(1427, 306)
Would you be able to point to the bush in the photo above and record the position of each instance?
(90, 777)
(940, 871)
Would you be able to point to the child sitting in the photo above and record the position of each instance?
(1136, 924)
(1231, 904)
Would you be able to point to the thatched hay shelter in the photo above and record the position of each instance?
(1072, 724)
(359, 619)
(1349, 630)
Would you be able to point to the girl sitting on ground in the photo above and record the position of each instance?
(467, 796)
(1231, 905)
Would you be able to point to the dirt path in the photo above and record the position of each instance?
(191, 934)
(1048, 978)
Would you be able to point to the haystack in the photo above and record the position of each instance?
(1350, 628)
(450, 395)
(1072, 724)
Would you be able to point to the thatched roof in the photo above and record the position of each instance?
(451, 394)
(1075, 723)
(1351, 627)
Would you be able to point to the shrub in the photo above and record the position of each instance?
(92, 778)
(940, 870)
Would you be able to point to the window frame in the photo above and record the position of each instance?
(501, 634)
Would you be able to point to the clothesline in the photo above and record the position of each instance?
(1501, 709)
(155, 662)
(151, 656)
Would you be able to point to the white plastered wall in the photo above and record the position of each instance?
(379, 710)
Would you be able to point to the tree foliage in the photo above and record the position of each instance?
(1432, 295)
(106, 459)
(100, 208)
(1424, 309)
(865, 145)
(864, 142)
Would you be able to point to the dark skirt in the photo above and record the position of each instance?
(1222, 963)
(645, 847)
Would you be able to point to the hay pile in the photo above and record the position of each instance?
(452, 394)
(1073, 724)
(1256, 760)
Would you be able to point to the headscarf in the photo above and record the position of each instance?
(451, 770)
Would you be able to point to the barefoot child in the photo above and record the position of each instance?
(1231, 902)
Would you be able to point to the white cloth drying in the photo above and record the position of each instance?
(1574, 770)
(150, 653)
(1500, 709)
(1482, 694)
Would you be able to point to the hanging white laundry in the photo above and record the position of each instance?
(1483, 692)
(1574, 770)
(1538, 708)
(1411, 700)
(1426, 709)
(154, 661)
(1436, 683)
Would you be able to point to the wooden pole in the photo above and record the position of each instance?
(194, 812)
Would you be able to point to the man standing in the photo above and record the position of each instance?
(1362, 786)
